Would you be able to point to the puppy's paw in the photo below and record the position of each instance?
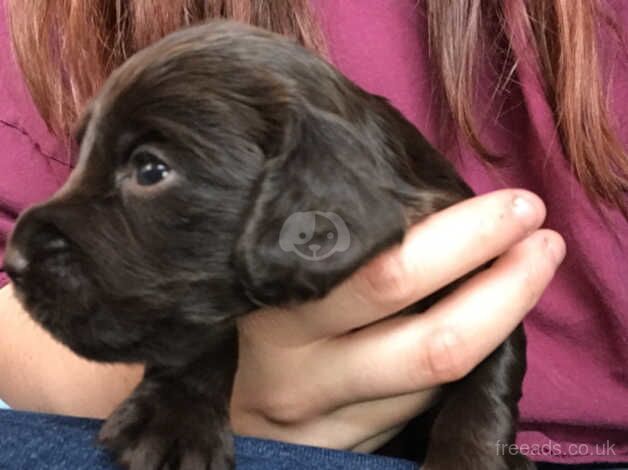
(158, 438)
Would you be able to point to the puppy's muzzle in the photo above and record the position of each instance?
(35, 238)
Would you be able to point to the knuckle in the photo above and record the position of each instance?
(383, 281)
(445, 359)
(284, 408)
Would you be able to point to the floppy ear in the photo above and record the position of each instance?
(321, 171)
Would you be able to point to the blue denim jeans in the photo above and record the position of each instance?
(30, 441)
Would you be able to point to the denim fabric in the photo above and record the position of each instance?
(30, 441)
(601, 466)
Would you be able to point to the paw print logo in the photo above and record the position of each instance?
(314, 235)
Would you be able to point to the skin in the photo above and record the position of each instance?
(337, 372)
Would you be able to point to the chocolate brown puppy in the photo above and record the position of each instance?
(213, 167)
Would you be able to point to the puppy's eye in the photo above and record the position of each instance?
(149, 169)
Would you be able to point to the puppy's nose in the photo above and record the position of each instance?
(33, 238)
(14, 264)
(314, 247)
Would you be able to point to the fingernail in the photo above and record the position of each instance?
(524, 209)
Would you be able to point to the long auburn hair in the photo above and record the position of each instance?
(67, 48)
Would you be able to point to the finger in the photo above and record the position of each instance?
(358, 425)
(435, 252)
(377, 419)
(411, 353)
(372, 444)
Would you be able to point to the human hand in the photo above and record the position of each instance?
(338, 373)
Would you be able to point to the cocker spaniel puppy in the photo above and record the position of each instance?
(221, 169)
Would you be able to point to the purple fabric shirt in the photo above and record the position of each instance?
(33, 164)
(576, 389)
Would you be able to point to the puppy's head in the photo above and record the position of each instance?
(195, 155)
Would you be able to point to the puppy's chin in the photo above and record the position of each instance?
(57, 295)
(76, 312)
(51, 284)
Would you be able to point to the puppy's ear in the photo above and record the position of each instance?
(324, 205)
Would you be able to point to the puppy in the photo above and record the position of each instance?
(203, 162)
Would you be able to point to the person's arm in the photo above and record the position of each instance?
(38, 373)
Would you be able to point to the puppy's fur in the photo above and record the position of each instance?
(254, 129)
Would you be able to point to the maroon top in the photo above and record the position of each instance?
(576, 389)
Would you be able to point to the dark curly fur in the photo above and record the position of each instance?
(253, 128)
